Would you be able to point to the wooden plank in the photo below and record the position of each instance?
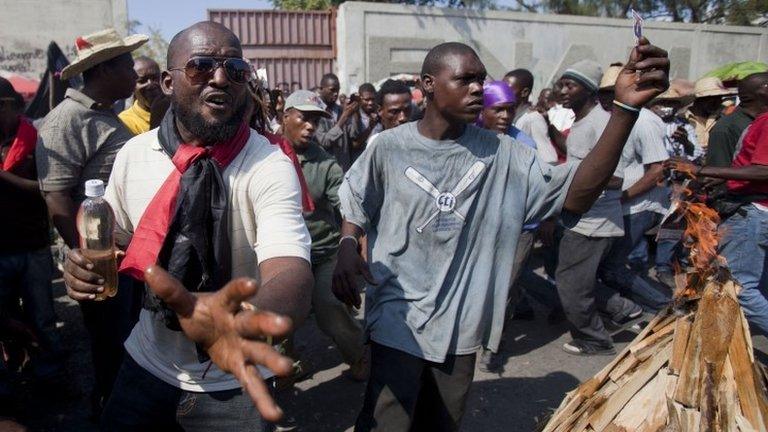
(570, 403)
(647, 345)
(708, 403)
(644, 373)
(664, 322)
(719, 313)
(682, 419)
(687, 392)
(581, 415)
(682, 334)
(744, 376)
(624, 367)
(727, 404)
(643, 405)
(605, 372)
(744, 425)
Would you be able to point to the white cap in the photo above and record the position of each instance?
(94, 188)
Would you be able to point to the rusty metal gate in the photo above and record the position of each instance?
(296, 48)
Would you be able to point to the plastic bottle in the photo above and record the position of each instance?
(96, 225)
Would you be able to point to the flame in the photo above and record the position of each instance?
(701, 237)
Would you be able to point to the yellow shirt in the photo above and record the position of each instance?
(135, 118)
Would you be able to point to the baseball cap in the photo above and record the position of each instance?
(306, 101)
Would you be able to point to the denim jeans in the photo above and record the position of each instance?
(615, 273)
(142, 402)
(744, 247)
(27, 276)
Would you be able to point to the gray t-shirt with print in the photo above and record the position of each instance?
(605, 217)
(443, 220)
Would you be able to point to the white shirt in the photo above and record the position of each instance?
(533, 124)
(561, 118)
(645, 145)
(265, 222)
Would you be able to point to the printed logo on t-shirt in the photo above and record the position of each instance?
(445, 202)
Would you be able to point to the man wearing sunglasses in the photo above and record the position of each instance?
(200, 353)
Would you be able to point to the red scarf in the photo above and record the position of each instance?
(153, 226)
(306, 199)
(23, 145)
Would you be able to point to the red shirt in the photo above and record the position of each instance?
(754, 151)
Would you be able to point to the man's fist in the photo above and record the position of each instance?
(645, 76)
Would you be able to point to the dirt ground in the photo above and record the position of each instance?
(535, 377)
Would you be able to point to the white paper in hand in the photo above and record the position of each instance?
(638, 26)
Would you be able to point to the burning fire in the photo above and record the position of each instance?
(700, 237)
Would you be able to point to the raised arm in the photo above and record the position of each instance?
(645, 76)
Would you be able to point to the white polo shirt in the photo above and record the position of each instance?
(265, 222)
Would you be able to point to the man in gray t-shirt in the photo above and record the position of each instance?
(443, 204)
(588, 238)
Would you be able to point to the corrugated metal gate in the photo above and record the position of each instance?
(296, 48)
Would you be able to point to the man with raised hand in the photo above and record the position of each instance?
(443, 203)
(207, 199)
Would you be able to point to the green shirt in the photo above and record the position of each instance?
(323, 176)
(724, 137)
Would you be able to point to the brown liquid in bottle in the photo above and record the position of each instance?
(105, 265)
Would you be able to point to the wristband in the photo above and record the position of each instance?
(350, 238)
(629, 108)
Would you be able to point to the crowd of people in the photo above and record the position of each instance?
(240, 209)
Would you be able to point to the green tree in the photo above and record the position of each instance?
(156, 47)
(735, 12)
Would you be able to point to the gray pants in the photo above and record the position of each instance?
(578, 263)
(334, 318)
(408, 394)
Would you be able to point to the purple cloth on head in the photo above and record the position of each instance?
(495, 93)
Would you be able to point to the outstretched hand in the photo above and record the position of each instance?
(234, 338)
(645, 76)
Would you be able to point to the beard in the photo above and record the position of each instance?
(209, 132)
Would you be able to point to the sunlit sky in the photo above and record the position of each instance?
(172, 16)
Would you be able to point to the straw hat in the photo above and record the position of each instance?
(711, 86)
(679, 90)
(610, 76)
(99, 47)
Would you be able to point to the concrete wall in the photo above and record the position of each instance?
(28, 26)
(379, 40)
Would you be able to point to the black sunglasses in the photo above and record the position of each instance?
(200, 69)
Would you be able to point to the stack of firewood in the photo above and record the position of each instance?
(691, 369)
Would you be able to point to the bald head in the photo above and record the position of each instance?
(442, 55)
(198, 36)
(145, 61)
(753, 91)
